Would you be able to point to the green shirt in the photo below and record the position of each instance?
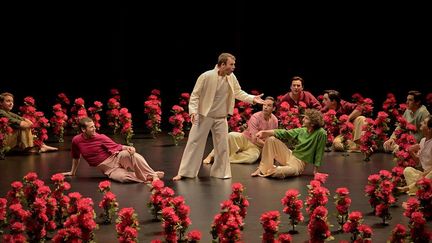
(14, 119)
(310, 146)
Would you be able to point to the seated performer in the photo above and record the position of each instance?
(120, 163)
(245, 147)
(415, 113)
(297, 95)
(332, 101)
(309, 149)
(22, 137)
(422, 153)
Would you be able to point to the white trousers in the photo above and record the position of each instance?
(193, 154)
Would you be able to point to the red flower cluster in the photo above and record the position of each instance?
(345, 130)
(159, 198)
(399, 234)
(127, 226)
(184, 101)
(94, 113)
(5, 130)
(379, 189)
(318, 226)
(331, 125)
(109, 203)
(177, 120)
(424, 195)
(292, 206)
(226, 226)
(239, 199)
(404, 139)
(78, 111)
(60, 186)
(270, 222)
(418, 230)
(40, 123)
(58, 121)
(317, 195)
(113, 114)
(125, 122)
(343, 202)
(289, 117)
(152, 107)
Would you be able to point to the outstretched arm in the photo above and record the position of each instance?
(264, 134)
(72, 172)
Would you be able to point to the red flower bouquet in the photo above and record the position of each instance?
(152, 107)
(270, 222)
(5, 130)
(343, 202)
(108, 204)
(177, 120)
(292, 206)
(127, 226)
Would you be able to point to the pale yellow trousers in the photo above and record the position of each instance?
(275, 150)
(358, 123)
(21, 138)
(412, 176)
(241, 150)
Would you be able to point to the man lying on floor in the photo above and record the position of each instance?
(120, 163)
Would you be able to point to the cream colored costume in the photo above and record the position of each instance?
(212, 99)
(358, 123)
(243, 147)
(412, 175)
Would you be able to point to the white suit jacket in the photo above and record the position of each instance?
(204, 92)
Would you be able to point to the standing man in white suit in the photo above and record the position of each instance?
(211, 101)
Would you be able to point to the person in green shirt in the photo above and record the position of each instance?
(311, 139)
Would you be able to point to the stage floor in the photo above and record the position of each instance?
(204, 194)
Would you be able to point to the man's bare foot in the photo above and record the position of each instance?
(208, 160)
(177, 178)
(256, 173)
(45, 148)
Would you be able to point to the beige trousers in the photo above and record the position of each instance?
(275, 149)
(412, 176)
(21, 138)
(124, 167)
(358, 123)
(241, 150)
(193, 154)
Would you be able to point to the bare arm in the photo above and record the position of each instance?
(413, 151)
(26, 123)
(264, 134)
(72, 172)
(354, 114)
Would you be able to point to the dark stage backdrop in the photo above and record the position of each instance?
(85, 51)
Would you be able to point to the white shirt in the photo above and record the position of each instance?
(425, 153)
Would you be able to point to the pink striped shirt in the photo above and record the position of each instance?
(257, 123)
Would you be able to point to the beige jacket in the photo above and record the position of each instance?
(204, 91)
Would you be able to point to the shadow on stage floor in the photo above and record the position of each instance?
(204, 194)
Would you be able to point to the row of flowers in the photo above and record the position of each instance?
(31, 211)
(119, 118)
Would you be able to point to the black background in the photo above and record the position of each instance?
(85, 50)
